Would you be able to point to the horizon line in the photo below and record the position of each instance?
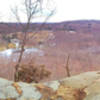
(54, 22)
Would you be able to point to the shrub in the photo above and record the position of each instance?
(32, 73)
(11, 45)
(2, 48)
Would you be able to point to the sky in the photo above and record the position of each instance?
(65, 10)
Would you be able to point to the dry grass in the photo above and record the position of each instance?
(32, 73)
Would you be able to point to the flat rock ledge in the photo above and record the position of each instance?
(85, 86)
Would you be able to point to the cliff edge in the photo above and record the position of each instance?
(85, 86)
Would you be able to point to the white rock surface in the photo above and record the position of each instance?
(90, 81)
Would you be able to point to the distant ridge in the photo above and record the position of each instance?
(65, 25)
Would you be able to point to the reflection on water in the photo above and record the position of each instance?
(15, 52)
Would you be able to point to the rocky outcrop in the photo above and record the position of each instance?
(85, 86)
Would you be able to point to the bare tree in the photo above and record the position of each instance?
(67, 66)
(31, 9)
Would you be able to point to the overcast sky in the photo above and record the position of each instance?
(65, 10)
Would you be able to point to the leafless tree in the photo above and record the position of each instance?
(67, 66)
(31, 9)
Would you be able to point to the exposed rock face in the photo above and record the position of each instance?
(85, 86)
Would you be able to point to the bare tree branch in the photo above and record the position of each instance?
(15, 13)
(32, 7)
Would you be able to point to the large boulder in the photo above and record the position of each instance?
(85, 86)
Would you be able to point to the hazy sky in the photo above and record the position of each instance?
(65, 10)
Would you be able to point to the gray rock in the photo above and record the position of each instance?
(24, 91)
(8, 92)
